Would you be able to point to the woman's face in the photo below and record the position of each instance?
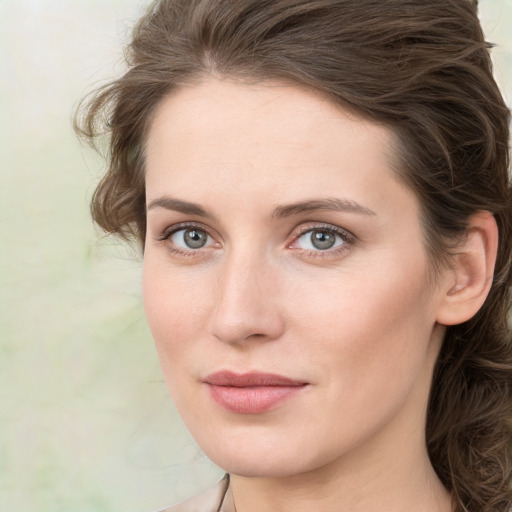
(286, 282)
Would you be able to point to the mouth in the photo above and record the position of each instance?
(251, 393)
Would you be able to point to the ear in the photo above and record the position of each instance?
(469, 280)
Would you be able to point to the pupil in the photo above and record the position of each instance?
(195, 239)
(322, 239)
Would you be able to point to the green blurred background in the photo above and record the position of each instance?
(85, 421)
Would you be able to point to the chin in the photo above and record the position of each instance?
(258, 467)
(269, 458)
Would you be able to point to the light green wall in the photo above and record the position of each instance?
(86, 424)
(85, 421)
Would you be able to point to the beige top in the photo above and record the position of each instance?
(216, 499)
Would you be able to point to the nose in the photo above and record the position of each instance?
(246, 306)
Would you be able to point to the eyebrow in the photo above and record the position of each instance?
(282, 211)
(177, 205)
(331, 204)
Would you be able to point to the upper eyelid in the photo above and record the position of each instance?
(305, 228)
(174, 228)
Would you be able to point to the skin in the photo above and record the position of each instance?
(360, 322)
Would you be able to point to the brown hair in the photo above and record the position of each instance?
(423, 69)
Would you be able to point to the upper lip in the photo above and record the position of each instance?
(251, 379)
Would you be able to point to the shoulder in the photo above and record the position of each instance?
(208, 501)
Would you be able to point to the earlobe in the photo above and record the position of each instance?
(469, 280)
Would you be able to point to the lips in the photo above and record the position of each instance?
(251, 393)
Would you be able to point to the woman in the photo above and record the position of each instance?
(321, 191)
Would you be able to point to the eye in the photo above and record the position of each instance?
(319, 239)
(313, 240)
(190, 238)
(187, 240)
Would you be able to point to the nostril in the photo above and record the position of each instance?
(256, 335)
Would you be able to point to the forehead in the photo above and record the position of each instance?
(273, 126)
(213, 104)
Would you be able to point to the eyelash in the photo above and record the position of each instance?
(349, 240)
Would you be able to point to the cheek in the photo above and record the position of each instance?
(175, 313)
(174, 307)
(373, 324)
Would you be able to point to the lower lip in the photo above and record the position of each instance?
(252, 400)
